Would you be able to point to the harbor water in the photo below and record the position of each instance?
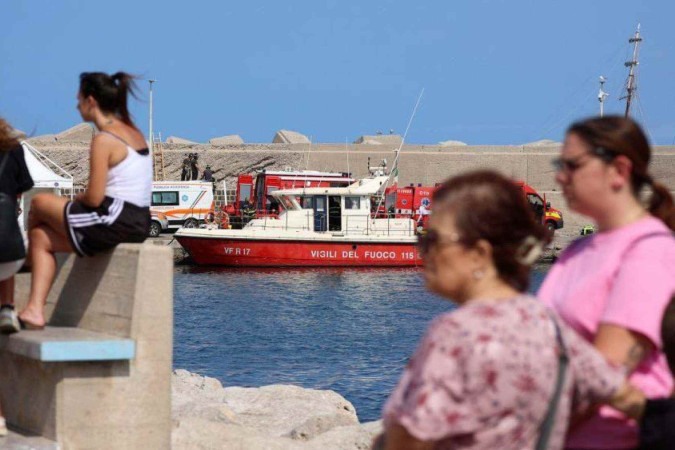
(348, 330)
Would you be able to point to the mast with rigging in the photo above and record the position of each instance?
(631, 83)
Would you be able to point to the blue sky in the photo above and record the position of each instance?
(494, 71)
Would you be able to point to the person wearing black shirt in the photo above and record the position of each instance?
(185, 168)
(208, 175)
(15, 179)
(194, 168)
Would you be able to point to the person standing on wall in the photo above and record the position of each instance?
(185, 168)
(613, 286)
(208, 174)
(194, 168)
(115, 206)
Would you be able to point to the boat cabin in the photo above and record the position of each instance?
(336, 210)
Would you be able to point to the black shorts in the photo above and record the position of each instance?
(93, 230)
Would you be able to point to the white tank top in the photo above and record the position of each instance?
(131, 179)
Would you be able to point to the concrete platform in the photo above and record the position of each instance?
(18, 441)
(60, 344)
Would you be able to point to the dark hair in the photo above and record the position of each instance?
(668, 333)
(489, 206)
(8, 140)
(110, 91)
(618, 135)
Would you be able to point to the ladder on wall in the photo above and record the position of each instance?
(158, 157)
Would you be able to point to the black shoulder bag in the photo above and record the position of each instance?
(11, 244)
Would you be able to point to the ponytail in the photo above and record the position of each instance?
(110, 92)
(125, 85)
(661, 205)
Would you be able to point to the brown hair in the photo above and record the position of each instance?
(489, 206)
(8, 140)
(668, 333)
(110, 91)
(616, 135)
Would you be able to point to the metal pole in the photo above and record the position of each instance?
(150, 131)
(631, 85)
(602, 95)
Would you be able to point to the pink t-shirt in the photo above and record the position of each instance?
(624, 277)
(483, 377)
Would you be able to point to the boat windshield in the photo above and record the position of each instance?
(305, 201)
(288, 203)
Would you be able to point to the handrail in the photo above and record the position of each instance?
(391, 225)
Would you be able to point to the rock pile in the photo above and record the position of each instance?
(206, 415)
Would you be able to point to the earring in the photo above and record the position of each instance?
(478, 274)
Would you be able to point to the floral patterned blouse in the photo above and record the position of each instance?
(484, 374)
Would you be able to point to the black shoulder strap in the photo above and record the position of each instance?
(116, 137)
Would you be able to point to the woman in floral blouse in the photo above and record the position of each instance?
(485, 374)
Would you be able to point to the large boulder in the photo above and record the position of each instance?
(178, 140)
(232, 139)
(206, 415)
(290, 137)
(542, 143)
(83, 132)
(451, 143)
(380, 139)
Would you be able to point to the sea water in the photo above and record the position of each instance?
(348, 330)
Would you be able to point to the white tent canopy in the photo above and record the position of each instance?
(45, 172)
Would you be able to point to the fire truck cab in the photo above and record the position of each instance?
(552, 218)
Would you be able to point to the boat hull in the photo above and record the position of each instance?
(297, 253)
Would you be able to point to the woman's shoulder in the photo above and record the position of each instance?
(122, 135)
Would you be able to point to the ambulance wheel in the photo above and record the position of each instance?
(155, 229)
(191, 223)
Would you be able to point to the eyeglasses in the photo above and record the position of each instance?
(431, 239)
(574, 164)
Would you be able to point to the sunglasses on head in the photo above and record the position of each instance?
(431, 239)
(573, 164)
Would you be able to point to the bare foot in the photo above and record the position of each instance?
(31, 319)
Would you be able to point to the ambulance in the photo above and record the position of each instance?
(184, 203)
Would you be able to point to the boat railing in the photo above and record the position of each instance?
(382, 224)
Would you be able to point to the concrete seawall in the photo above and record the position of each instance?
(426, 164)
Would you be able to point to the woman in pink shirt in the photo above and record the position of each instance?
(612, 287)
(485, 376)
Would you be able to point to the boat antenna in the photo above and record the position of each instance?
(347, 150)
(309, 149)
(631, 82)
(394, 170)
(602, 95)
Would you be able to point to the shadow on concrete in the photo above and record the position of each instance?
(79, 289)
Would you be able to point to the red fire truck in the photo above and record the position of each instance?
(253, 198)
(415, 201)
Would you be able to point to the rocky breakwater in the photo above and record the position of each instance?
(207, 415)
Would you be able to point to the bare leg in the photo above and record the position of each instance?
(47, 235)
(44, 242)
(7, 292)
(48, 209)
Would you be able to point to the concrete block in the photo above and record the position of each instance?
(289, 137)
(232, 139)
(125, 296)
(83, 132)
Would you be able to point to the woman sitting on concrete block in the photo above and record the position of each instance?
(115, 206)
